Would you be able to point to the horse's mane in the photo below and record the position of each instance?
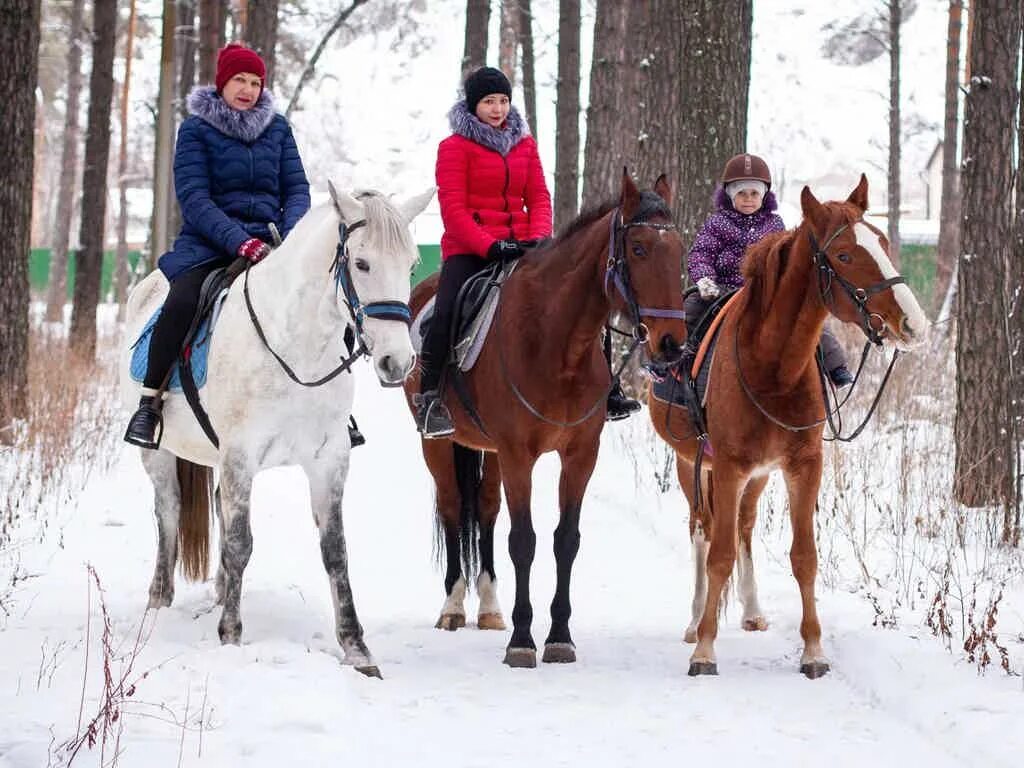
(763, 264)
(651, 204)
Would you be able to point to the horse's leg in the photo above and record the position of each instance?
(161, 466)
(236, 540)
(578, 460)
(753, 619)
(326, 487)
(489, 615)
(700, 524)
(727, 485)
(802, 482)
(439, 456)
(219, 581)
(516, 474)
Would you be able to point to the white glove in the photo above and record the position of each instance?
(708, 289)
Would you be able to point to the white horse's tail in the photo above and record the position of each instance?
(195, 482)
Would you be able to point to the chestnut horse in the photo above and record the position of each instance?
(765, 407)
(540, 384)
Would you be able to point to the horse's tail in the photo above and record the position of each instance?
(195, 483)
(468, 464)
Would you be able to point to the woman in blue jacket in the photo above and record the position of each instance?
(236, 171)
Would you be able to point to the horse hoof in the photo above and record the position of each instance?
(812, 670)
(370, 670)
(230, 635)
(521, 658)
(755, 624)
(702, 668)
(490, 621)
(559, 653)
(156, 602)
(451, 621)
(690, 636)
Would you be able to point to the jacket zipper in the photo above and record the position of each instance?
(504, 196)
(252, 180)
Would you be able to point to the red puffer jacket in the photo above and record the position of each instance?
(490, 184)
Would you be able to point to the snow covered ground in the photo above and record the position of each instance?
(895, 697)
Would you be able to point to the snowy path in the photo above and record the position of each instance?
(283, 699)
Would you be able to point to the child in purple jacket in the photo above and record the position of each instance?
(745, 214)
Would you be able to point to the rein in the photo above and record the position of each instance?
(859, 296)
(383, 310)
(616, 271)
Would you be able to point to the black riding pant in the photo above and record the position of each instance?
(455, 271)
(694, 308)
(174, 321)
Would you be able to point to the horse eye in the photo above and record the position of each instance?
(638, 250)
(844, 257)
(362, 265)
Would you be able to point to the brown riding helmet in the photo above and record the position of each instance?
(746, 166)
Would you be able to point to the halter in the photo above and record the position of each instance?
(859, 296)
(380, 310)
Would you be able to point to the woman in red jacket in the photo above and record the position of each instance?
(494, 205)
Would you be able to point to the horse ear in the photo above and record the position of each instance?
(347, 206)
(812, 209)
(414, 206)
(859, 196)
(661, 186)
(630, 199)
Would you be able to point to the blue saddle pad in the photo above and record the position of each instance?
(200, 348)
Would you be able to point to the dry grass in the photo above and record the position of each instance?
(66, 436)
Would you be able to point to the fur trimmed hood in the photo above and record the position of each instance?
(501, 140)
(243, 124)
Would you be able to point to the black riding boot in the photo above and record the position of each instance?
(432, 417)
(619, 406)
(143, 424)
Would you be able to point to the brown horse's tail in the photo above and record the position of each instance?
(196, 485)
(469, 471)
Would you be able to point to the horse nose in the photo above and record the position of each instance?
(390, 371)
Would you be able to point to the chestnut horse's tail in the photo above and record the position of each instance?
(196, 485)
(469, 471)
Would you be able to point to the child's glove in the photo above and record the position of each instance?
(254, 249)
(708, 289)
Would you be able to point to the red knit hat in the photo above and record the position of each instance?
(234, 58)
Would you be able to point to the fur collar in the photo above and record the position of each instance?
(501, 140)
(245, 125)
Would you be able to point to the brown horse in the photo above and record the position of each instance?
(540, 385)
(766, 404)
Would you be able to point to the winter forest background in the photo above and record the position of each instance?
(919, 522)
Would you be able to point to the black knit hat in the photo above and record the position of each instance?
(484, 82)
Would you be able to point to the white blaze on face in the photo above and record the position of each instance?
(915, 320)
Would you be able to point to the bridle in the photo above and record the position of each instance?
(617, 274)
(827, 274)
(389, 309)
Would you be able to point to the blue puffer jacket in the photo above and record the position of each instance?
(234, 172)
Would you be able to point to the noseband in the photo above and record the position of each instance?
(859, 296)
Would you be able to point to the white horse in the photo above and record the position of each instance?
(345, 264)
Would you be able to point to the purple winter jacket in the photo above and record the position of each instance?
(718, 248)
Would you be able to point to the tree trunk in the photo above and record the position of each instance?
(122, 268)
(699, 80)
(567, 114)
(478, 18)
(261, 32)
(949, 208)
(1016, 289)
(895, 19)
(508, 37)
(19, 40)
(185, 47)
(616, 80)
(89, 257)
(986, 451)
(163, 182)
(57, 290)
(211, 34)
(529, 77)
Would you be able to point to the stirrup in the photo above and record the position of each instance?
(143, 427)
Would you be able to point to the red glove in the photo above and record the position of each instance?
(254, 249)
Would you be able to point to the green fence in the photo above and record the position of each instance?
(39, 267)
